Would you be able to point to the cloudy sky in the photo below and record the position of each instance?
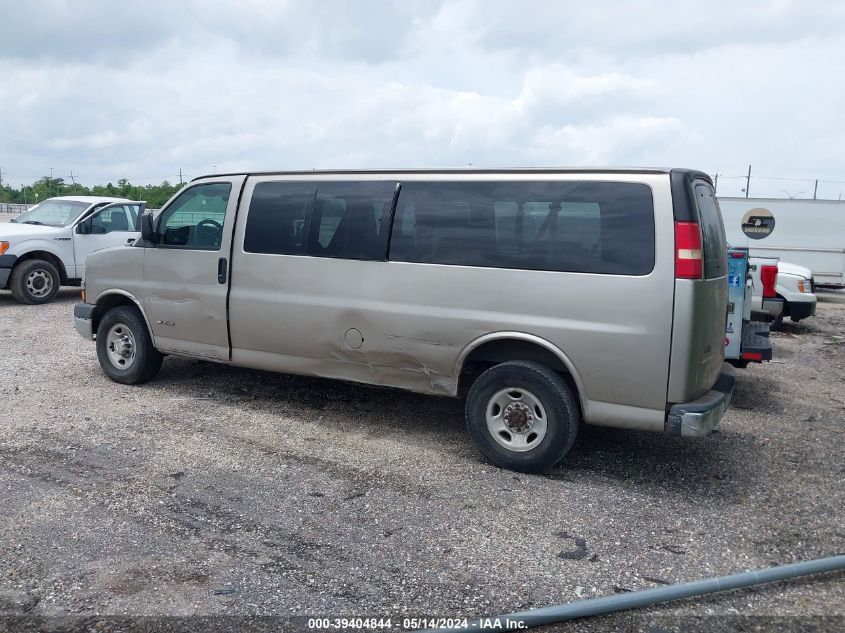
(144, 89)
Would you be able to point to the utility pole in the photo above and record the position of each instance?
(180, 176)
(23, 188)
(73, 181)
(716, 184)
(748, 181)
(50, 188)
(816, 189)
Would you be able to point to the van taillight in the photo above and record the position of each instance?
(769, 276)
(688, 259)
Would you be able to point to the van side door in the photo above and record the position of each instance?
(186, 269)
(305, 276)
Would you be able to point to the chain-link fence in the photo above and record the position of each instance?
(10, 208)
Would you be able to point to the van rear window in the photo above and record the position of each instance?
(591, 227)
(714, 243)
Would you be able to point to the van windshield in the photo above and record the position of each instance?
(53, 213)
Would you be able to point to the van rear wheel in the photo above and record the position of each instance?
(522, 416)
(124, 347)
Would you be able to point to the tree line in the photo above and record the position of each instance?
(154, 195)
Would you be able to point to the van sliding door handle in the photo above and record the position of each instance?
(222, 267)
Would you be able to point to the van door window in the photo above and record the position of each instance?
(714, 243)
(277, 216)
(595, 227)
(350, 219)
(194, 220)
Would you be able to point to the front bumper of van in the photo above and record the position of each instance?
(83, 319)
(700, 417)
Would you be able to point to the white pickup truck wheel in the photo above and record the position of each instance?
(35, 281)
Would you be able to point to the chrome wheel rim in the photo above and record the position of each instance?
(516, 419)
(39, 283)
(120, 345)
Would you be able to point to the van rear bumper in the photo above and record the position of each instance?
(700, 417)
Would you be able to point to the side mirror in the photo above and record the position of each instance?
(148, 233)
(84, 227)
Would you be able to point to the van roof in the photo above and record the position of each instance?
(503, 170)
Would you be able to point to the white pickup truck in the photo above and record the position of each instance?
(46, 246)
(794, 285)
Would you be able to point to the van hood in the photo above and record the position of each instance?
(17, 231)
(783, 267)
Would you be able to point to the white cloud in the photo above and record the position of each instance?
(144, 90)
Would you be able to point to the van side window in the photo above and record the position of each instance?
(194, 221)
(712, 233)
(350, 219)
(277, 217)
(592, 227)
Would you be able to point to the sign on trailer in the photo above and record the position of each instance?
(809, 233)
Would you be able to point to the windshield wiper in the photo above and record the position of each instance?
(33, 222)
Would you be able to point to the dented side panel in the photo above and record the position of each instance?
(303, 314)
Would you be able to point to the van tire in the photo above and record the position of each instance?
(527, 390)
(34, 281)
(125, 348)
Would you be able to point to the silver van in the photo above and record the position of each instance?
(545, 297)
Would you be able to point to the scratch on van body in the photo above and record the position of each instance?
(172, 301)
(440, 383)
(397, 337)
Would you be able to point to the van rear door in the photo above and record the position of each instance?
(701, 288)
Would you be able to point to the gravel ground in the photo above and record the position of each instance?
(225, 491)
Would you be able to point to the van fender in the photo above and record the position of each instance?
(117, 291)
(528, 338)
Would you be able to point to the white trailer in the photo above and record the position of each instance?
(810, 233)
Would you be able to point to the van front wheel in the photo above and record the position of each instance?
(124, 347)
(522, 416)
